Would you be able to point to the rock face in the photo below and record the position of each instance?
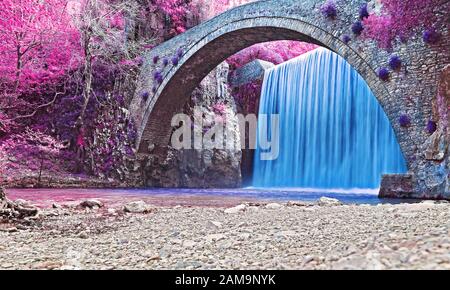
(168, 167)
(250, 72)
(436, 146)
(434, 171)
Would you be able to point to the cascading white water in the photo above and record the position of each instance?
(333, 132)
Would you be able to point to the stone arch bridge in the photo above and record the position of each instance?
(199, 50)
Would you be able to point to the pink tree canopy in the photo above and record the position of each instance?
(39, 43)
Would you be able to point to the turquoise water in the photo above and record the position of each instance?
(333, 132)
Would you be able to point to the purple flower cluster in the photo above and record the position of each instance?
(357, 27)
(346, 38)
(328, 9)
(158, 77)
(175, 60)
(431, 127)
(180, 52)
(363, 11)
(404, 121)
(383, 74)
(165, 62)
(430, 36)
(145, 96)
(155, 59)
(395, 63)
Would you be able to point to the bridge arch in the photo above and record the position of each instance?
(202, 57)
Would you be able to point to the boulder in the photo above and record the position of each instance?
(214, 225)
(90, 203)
(137, 207)
(325, 201)
(273, 206)
(236, 209)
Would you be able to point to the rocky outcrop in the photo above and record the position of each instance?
(11, 210)
(434, 174)
(250, 72)
(169, 167)
(429, 177)
(436, 146)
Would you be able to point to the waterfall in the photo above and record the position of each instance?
(333, 132)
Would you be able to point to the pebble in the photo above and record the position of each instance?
(214, 224)
(290, 237)
(236, 209)
(273, 206)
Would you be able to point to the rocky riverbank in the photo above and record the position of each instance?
(323, 235)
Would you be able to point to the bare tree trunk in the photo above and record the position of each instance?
(18, 68)
(87, 74)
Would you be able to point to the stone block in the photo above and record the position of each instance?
(397, 186)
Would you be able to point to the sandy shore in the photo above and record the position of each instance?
(278, 236)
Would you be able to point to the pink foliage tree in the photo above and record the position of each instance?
(275, 52)
(38, 47)
(177, 11)
(39, 44)
(400, 19)
(30, 150)
(208, 9)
